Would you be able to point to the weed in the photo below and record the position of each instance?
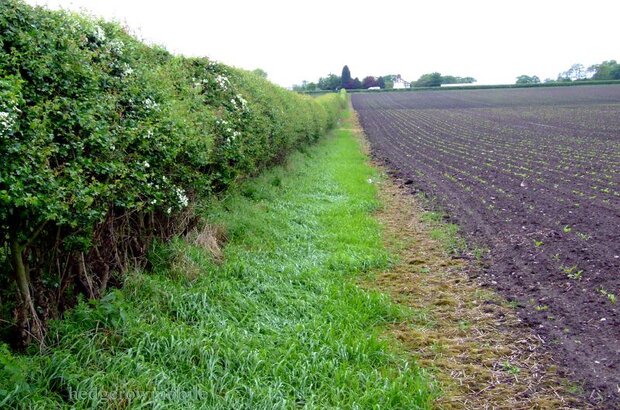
(609, 295)
(572, 272)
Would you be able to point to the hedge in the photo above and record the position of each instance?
(106, 143)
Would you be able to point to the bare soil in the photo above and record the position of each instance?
(533, 177)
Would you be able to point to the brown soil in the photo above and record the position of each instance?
(469, 339)
(532, 176)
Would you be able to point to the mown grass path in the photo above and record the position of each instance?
(273, 320)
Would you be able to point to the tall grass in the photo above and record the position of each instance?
(279, 323)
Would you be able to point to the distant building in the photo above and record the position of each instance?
(374, 88)
(399, 83)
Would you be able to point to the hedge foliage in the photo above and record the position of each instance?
(96, 126)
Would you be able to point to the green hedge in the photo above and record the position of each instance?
(106, 142)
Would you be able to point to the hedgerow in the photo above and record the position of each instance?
(106, 143)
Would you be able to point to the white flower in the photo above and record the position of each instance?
(99, 34)
(116, 46)
(242, 101)
(150, 104)
(146, 164)
(149, 134)
(169, 211)
(183, 199)
(127, 70)
(222, 81)
(7, 121)
(154, 201)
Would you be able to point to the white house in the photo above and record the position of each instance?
(399, 83)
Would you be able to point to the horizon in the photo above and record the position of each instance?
(495, 43)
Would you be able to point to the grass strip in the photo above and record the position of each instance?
(272, 320)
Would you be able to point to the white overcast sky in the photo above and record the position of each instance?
(493, 41)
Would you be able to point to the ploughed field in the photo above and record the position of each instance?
(533, 175)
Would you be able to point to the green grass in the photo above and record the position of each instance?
(278, 324)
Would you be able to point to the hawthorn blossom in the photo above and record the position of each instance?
(127, 70)
(150, 104)
(7, 120)
(99, 34)
(116, 46)
(242, 100)
(182, 197)
(222, 81)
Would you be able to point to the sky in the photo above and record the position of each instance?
(492, 41)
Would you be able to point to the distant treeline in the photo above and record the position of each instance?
(333, 82)
(605, 71)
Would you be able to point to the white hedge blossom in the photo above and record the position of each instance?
(126, 70)
(222, 82)
(99, 34)
(182, 197)
(7, 120)
(116, 46)
(150, 104)
(242, 101)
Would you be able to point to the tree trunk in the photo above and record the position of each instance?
(28, 320)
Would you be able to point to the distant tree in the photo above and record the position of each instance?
(369, 81)
(260, 72)
(356, 84)
(388, 81)
(429, 80)
(311, 86)
(450, 79)
(576, 72)
(526, 79)
(466, 80)
(607, 70)
(381, 83)
(549, 80)
(345, 78)
(331, 82)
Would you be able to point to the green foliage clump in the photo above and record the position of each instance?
(97, 127)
